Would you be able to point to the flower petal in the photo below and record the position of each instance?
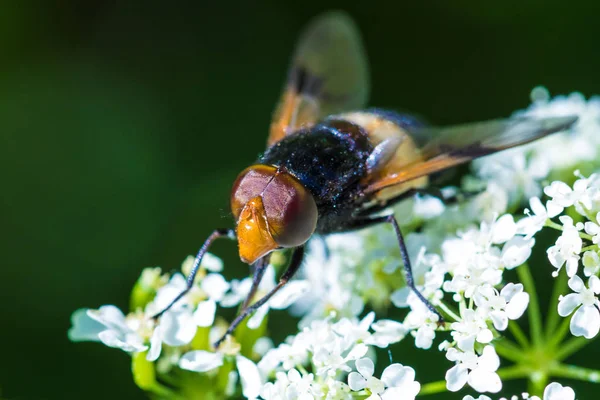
(177, 327)
(205, 313)
(504, 229)
(249, 376)
(255, 320)
(155, 346)
(215, 286)
(200, 361)
(585, 322)
(397, 375)
(516, 251)
(556, 391)
(517, 305)
(365, 367)
(130, 342)
(212, 263)
(289, 294)
(456, 377)
(406, 392)
(568, 303)
(485, 381)
(84, 327)
(356, 381)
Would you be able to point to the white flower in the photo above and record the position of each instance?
(109, 326)
(397, 381)
(364, 379)
(586, 320)
(533, 223)
(567, 248)
(563, 196)
(421, 321)
(481, 397)
(556, 391)
(510, 303)
(478, 371)
(203, 361)
(472, 327)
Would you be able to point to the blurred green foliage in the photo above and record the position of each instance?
(123, 124)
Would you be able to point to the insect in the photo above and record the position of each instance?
(333, 166)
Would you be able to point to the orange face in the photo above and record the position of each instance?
(273, 210)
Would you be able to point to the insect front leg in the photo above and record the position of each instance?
(258, 271)
(219, 233)
(289, 273)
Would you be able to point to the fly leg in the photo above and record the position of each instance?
(230, 233)
(410, 282)
(291, 270)
(258, 272)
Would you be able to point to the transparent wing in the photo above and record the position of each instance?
(447, 147)
(328, 75)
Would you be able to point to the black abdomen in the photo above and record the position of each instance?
(329, 160)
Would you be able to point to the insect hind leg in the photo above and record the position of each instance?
(410, 281)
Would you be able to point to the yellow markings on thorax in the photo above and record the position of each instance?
(378, 130)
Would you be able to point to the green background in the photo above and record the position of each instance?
(123, 124)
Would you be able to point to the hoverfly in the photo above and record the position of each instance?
(333, 166)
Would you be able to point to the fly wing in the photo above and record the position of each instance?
(328, 75)
(451, 146)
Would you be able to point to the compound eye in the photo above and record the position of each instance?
(291, 211)
(250, 183)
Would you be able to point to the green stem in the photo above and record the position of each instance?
(518, 333)
(537, 383)
(507, 349)
(559, 286)
(433, 388)
(551, 224)
(591, 247)
(559, 227)
(533, 311)
(560, 333)
(571, 346)
(448, 311)
(512, 372)
(575, 372)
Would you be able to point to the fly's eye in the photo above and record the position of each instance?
(250, 183)
(291, 211)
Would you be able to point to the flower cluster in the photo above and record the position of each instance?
(466, 255)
